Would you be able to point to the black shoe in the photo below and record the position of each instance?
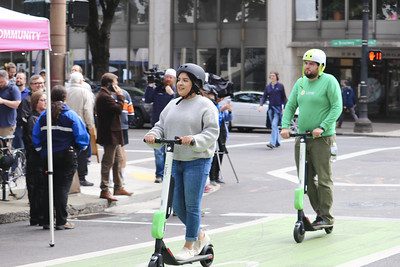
(317, 219)
(321, 224)
(46, 227)
(158, 180)
(270, 146)
(33, 222)
(277, 145)
(85, 183)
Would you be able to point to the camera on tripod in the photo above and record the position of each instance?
(222, 86)
(155, 76)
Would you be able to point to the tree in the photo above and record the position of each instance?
(99, 30)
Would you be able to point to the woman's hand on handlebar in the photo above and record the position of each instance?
(149, 138)
(187, 140)
(285, 133)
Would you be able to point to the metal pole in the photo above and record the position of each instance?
(363, 124)
(128, 42)
(49, 148)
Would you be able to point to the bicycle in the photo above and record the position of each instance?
(12, 169)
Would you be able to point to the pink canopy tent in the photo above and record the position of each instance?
(21, 32)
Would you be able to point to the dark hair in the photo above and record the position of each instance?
(35, 97)
(108, 78)
(58, 96)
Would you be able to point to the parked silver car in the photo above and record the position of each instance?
(245, 112)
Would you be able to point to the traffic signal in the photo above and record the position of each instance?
(375, 56)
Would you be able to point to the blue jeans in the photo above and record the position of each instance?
(190, 179)
(274, 118)
(159, 155)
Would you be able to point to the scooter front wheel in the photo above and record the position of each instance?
(208, 250)
(155, 262)
(329, 230)
(298, 232)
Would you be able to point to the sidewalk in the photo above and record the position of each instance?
(141, 182)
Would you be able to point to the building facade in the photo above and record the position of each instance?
(243, 40)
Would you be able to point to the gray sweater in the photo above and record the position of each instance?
(198, 117)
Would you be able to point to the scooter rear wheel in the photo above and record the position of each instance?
(207, 250)
(329, 230)
(298, 232)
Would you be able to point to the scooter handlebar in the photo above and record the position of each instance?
(306, 134)
(176, 141)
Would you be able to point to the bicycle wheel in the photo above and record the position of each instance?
(17, 180)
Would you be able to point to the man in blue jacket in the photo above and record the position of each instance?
(349, 102)
(160, 96)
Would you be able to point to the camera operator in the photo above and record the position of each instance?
(160, 95)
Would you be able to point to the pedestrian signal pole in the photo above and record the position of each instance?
(363, 124)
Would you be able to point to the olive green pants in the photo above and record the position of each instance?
(319, 174)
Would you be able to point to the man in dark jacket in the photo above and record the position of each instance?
(160, 97)
(109, 134)
(349, 102)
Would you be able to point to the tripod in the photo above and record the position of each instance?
(224, 151)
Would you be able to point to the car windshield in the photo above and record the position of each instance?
(247, 98)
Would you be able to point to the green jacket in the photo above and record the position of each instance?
(319, 103)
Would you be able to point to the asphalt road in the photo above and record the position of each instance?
(250, 222)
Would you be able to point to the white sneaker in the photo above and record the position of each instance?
(200, 244)
(185, 254)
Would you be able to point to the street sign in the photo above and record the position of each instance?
(350, 42)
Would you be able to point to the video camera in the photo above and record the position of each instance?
(155, 76)
(223, 87)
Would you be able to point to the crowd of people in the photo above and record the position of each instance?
(184, 106)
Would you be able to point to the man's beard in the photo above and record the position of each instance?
(311, 75)
(18, 84)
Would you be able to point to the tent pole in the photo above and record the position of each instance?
(49, 147)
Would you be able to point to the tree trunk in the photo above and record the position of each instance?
(99, 34)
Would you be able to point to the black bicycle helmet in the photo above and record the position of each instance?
(209, 88)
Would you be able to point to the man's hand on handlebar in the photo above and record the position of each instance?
(317, 132)
(285, 133)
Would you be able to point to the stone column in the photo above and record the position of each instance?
(160, 34)
(280, 56)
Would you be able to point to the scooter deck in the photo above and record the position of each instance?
(170, 259)
(309, 227)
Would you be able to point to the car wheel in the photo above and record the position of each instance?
(137, 121)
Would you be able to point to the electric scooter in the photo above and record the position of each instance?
(303, 223)
(163, 255)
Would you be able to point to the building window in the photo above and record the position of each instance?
(355, 9)
(207, 58)
(332, 9)
(231, 66)
(207, 11)
(306, 10)
(231, 11)
(388, 9)
(140, 11)
(255, 10)
(254, 69)
(184, 11)
(183, 55)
